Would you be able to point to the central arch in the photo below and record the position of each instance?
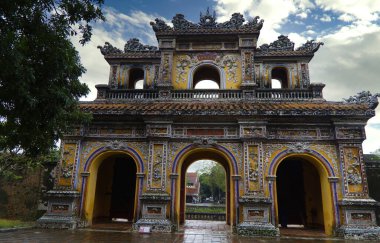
(180, 166)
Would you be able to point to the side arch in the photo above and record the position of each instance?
(328, 187)
(89, 181)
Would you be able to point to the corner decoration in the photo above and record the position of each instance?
(207, 22)
(364, 97)
(132, 45)
(284, 44)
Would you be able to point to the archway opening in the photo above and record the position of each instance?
(203, 155)
(115, 192)
(299, 195)
(280, 74)
(206, 77)
(136, 75)
(205, 191)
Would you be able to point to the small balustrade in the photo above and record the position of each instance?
(314, 92)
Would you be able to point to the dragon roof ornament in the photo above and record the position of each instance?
(133, 45)
(283, 43)
(108, 49)
(207, 22)
(364, 97)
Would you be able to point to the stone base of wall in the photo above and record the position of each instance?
(156, 225)
(359, 232)
(257, 229)
(60, 222)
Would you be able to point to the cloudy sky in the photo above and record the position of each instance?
(347, 63)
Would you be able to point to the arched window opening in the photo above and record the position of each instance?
(280, 74)
(135, 76)
(139, 84)
(206, 84)
(206, 77)
(276, 84)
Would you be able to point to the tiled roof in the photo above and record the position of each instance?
(227, 107)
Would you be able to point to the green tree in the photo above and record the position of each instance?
(213, 182)
(39, 72)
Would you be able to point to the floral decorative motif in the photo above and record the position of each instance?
(183, 63)
(207, 20)
(156, 167)
(230, 63)
(353, 171)
(67, 171)
(299, 147)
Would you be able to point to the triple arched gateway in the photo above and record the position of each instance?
(290, 157)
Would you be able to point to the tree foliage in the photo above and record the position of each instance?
(40, 70)
(213, 182)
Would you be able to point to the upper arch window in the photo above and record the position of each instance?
(136, 78)
(279, 78)
(206, 77)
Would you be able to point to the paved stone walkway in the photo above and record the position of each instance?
(192, 231)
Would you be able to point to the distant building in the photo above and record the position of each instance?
(193, 187)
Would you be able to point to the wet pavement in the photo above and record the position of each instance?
(192, 231)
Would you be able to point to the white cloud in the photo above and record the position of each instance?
(346, 17)
(304, 4)
(274, 13)
(366, 10)
(302, 15)
(326, 18)
(118, 28)
(348, 64)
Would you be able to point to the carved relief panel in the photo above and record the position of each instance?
(247, 66)
(354, 177)
(252, 131)
(157, 166)
(67, 167)
(158, 130)
(166, 65)
(304, 75)
(350, 133)
(253, 168)
(113, 76)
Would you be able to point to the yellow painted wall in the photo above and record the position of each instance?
(229, 63)
(103, 189)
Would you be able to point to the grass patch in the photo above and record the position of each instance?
(202, 209)
(9, 223)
